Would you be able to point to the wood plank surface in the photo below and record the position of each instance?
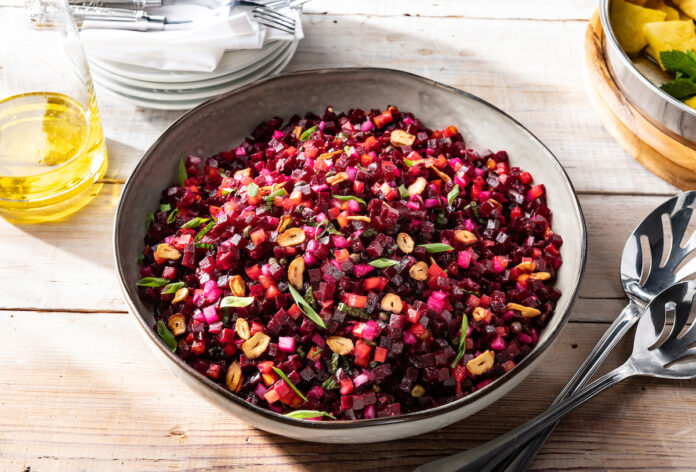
(90, 396)
(81, 391)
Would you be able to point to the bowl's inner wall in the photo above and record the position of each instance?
(224, 122)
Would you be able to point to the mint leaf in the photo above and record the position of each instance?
(172, 288)
(236, 302)
(306, 307)
(437, 247)
(679, 61)
(152, 282)
(381, 263)
(680, 88)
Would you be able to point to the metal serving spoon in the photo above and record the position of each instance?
(673, 357)
(641, 282)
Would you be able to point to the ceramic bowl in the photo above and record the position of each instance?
(639, 80)
(223, 122)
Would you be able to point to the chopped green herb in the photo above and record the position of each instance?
(683, 62)
(300, 351)
(381, 263)
(345, 198)
(352, 311)
(226, 191)
(329, 384)
(408, 162)
(309, 297)
(292, 385)
(437, 247)
(152, 282)
(165, 207)
(206, 246)
(252, 189)
(368, 233)
(307, 134)
(680, 88)
(462, 341)
(236, 302)
(305, 414)
(166, 335)
(183, 175)
(403, 191)
(195, 223)
(441, 220)
(172, 288)
(172, 216)
(281, 191)
(335, 359)
(474, 210)
(204, 231)
(149, 219)
(454, 193)
(306, 307)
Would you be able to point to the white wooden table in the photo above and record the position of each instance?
(80, 390)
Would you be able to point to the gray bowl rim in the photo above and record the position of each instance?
(609, 35)
(339, 425)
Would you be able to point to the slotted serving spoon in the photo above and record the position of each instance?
(644, 274)
(671, 358)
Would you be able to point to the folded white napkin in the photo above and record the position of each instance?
(197, 46)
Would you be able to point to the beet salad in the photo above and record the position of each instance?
(351, 265)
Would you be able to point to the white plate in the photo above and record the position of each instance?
(198, 84)
(231, 61)
(165, 104)
(200, 94)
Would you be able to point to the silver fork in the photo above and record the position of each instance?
(673, 357)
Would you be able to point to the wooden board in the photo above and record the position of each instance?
(80, 390)
(664, 155)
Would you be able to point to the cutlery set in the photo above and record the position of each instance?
(134, 15)
(656, 257)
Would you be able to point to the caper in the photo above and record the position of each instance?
(418, 391)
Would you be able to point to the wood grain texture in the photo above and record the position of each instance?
(80, 390)
(90, 396)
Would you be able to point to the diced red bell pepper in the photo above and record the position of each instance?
(256, 327)
(254, 272)
(229, 349)
(269, 378)
(449, 131)
(362, 354)
(412, 315)
(294, 312)
(342, 219)
(271, 396)
(358, 186)
(355, 300)
(266, 281)
(314, 353)
(341, 255)
(525, 177)
(258, 236)
(334, 212)
(346, 386)
(375, 283)
(213, 371)
(372, 144)
(198, 347)
(380, 354)
(272, 292)
(214, 210)
(226, 335)
(383, 119)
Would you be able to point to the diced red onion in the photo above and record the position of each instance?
(340, 242)
(309, 258)
(409, 338)
(370, 411)
(361, 270)
(360, 380)
(353, 206)
(319, 188)
(210, 313)
(318, 340)
(286, 343)
(484, 195)
(524, 338)
(321, 125)
(464, 259)
(367, 126)
(431, 202)
(277, 134)
(352, 172)
(260, 390)
(436, 301)
(498, 344)
(469, 225)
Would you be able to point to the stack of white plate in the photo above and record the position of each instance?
(177, 90)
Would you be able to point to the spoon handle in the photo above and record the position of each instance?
(521, 459)
(492, 452)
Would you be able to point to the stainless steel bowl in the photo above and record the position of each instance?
(223, 122)
(639, 82)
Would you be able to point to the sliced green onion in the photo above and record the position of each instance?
(345, 198)
(437, 247)
(172, 288)
(252, 189)
(292, 385)
(204, 231)
(195, 223)
(281, 191)
(183, 175)
(381, 263)
(307, 134)
(403, 191)
(236, 302)
(172, 216)
(454, 193)
(165, 207)
(204, 246)
(226, 191)
(462, 341)
(166, 335)
(152, 282)
(408, 162)
(306, 307)
(305, 414)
